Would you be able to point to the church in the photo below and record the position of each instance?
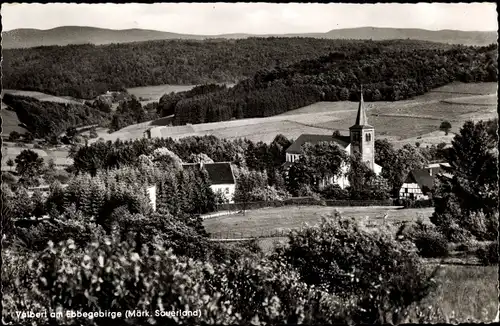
(361, 139)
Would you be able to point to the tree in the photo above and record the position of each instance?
(470, 198)
(10, 163)
(326, 159)
(396, 164)
(445, 126)
(29, 166)
(246, 182)
(385, 275)
(14, 136)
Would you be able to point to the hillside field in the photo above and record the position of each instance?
(267, 220)
(153, 93)
(401, 122)
(43, 96)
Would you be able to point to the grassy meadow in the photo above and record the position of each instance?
(464, 293)
(402, 122)
(275, 219)
(153, 93)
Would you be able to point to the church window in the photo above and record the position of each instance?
(368, 137)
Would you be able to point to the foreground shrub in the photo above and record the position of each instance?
(110, 275)
(338, 256)
(488, 255)
(429, 241)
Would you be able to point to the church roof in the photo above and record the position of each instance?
(361, 119)
(296, 147)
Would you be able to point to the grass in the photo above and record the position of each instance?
(10, 122)
(59, 156)
(400, 121)
(43, 97)
(153, 93)
(267, 220)
(463, 292)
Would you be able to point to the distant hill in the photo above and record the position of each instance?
(25, 38)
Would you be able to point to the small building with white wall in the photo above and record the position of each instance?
(221, 177)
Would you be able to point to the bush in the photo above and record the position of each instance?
(334, 192)
(109, 274)
(386, 275)
(431, 244)
(409, 203)
(489, 255)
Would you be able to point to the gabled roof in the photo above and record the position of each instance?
(218, 173)
(421, 177)
(296, 147)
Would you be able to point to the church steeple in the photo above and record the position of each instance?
(363, 136)
(361, 119)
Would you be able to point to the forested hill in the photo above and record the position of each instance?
(84, 71)
(65, 35)
(389, 73)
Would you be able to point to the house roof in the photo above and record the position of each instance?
(296, 147)
(421, 177)
(218, 173)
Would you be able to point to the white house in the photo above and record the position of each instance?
(361, 139)
(221, 177)
(419, 183)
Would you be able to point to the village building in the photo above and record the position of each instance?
(221, 177)
(361, 140)
(420, 182)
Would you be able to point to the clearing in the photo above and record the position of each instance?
(401, 122)
(44, 97)
(265, 221)
(154, 93)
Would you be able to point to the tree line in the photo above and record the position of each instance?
(386, 73)
(85, 71)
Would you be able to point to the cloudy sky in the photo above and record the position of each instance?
(255, 18)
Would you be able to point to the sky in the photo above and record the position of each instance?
(253, 18)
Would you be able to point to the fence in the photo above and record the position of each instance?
(302, 201)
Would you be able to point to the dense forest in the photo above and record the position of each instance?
(48, 119)
(85, 71)
(386, 73)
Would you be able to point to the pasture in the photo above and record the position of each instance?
(402, 122)
(43, 97)
(59, 156)
(258, 222)
(10, 122)
(154, 93)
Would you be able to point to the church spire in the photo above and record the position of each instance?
(361, 119)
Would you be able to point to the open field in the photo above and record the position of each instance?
(43, 97)
(153, 93)
(10, 122)
(267, 220)
(59, 156)
(401, 122)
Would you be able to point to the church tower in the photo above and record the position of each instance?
(363, 136)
